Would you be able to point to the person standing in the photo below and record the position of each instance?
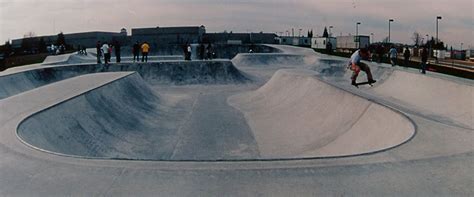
(105, 50)
(356, 66)
(202, 50)
(117, 51)
(136, 51)
(393, 55)
(406, 56)
(209, 51)
(380, 52)
(424, 59)
(99, 52)
(189, 52)
(145, 49)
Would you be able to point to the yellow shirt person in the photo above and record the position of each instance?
(145, 48)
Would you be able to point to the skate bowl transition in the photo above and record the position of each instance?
(292, 116)
(164, 72)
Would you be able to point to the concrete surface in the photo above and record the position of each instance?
(221, 135)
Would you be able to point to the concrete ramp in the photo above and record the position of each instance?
(441, 99)
(295, 115)
(123, 119)
(164, 72)
(270, 60)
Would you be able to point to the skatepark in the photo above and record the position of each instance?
(285, 122)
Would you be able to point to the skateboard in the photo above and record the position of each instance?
(364, 83)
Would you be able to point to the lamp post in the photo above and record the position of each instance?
(357, 34)
(299, 34)
(429, 50)
(357, 28)
(437, 19)
(330, 34)
(389, 21)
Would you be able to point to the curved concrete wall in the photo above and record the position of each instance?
(165, 72)
(268, 59)
(124, 119)
(437, 97)
(296, 115)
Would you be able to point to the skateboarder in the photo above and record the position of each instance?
(356, 66)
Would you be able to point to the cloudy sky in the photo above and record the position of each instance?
(46, 17)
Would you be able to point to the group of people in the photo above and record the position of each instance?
(81, 50)
(56, 49)
(143, 48)
(406, 57)
(204, 52)
(104, 51)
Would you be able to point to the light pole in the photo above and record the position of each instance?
(357, 28)
(389, 21)
(330, 34)
(429, 50)
(299, 34)
(437, 19)
(357, 35)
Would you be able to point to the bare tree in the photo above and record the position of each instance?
(29, 35)
(416, 38)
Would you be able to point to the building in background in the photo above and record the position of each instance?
(295, 41)
(323, 42)
(352, 43)
(243, 38)
(84, 39)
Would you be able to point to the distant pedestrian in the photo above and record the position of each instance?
(145, 49)
(380, 52)
(184, 47)
(424, 59)
(84, 51)
(202, 51)
(406, 56)
(329, 47)
(117, 51)
(209, 51)
(189, 52)
(99, 52)
(393, 55)
(136, 51)
(106, 51)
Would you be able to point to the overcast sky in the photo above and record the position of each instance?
(46, 17)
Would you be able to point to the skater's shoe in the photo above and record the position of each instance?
(354, 83)
(371, 81)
